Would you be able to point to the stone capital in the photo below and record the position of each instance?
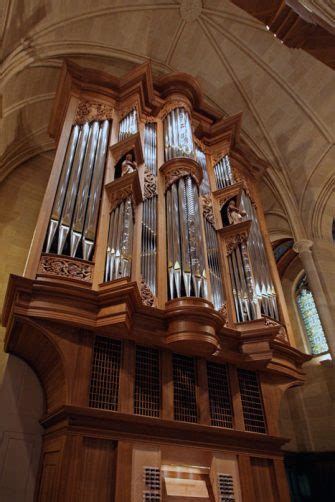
(303, 246)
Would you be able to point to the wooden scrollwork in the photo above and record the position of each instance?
(207, 206)
(150, 184)
(88, 111)
(65, 267)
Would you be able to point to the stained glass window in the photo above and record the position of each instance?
(310, 317)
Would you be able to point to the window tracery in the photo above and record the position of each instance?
(310, 318)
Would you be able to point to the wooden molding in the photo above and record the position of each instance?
(130, 144)
(176, 168)
(117, 310)
(123, 187)
(123, 425)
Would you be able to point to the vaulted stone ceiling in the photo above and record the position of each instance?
(287, 97)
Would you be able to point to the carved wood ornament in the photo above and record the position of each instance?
(233, 241)
(150, 184)
(224, 313)
(178, 168)
(65, 267)
(88, 111)
(172, 106)
(148, 298)
(207, 210)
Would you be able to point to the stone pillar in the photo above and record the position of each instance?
(303, 247)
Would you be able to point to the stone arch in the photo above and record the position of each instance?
(37, 347)
(22, 404)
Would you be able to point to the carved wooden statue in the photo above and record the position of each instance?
(128, 165)
(235, 215)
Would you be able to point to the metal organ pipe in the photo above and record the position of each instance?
(186, 264)
(77, 199)
(128, 125)
(120, 241)
(201, 159)
(149, 213)
(223, 173)
(92, 213)
(178, 134)
(215, 274)
(62, 187)
(241, 286)
(264, 286)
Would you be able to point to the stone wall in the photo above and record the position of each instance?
(21, 394)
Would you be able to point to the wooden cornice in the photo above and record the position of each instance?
(114, 424)
(138, 86)
(116, 310)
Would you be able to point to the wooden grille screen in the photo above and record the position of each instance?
(253, 413)
(184, 381)
(226, 488)
(152, 481)
(147, 382)
(219, 395)
(104, 385)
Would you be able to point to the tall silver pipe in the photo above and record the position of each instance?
(184, 237)
(72, 189)
(128, 125)
(62, 187)
(178, 134)
(214, 264)
(264, 284)
(92, 213)
(109, 258)
(83, 190)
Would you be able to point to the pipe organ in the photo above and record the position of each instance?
(151, 307)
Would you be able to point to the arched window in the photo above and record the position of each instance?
(310, 318)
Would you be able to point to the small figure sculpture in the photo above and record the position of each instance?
(128, 165)
(235, 215)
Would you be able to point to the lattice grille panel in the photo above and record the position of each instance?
(147, 382)
(184, 381)
(251, 397)
(226, 488)
(152, 481)
(219, 395)
(104, 385)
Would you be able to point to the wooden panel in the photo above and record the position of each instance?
(48, 489)
(49, 483)
(98, 471)
(264, 480)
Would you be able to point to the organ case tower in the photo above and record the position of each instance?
(150, 307)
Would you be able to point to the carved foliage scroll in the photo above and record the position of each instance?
(208, 208)
(63, 267)
(233, 241)
(88, 111)
(150, 185)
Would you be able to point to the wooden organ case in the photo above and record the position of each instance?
(151, 308)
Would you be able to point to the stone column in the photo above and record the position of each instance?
(303, 248)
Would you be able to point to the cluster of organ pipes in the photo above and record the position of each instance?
(223, 173)
(186, 263)
(264, 287)
(73, 223)
(74, 216)
(215, 273)
(178, 138)
(149, 213)
(150, 147)
(120, 241)
(245, 299)
(128, 125)
(201, 159)
(149, 242)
